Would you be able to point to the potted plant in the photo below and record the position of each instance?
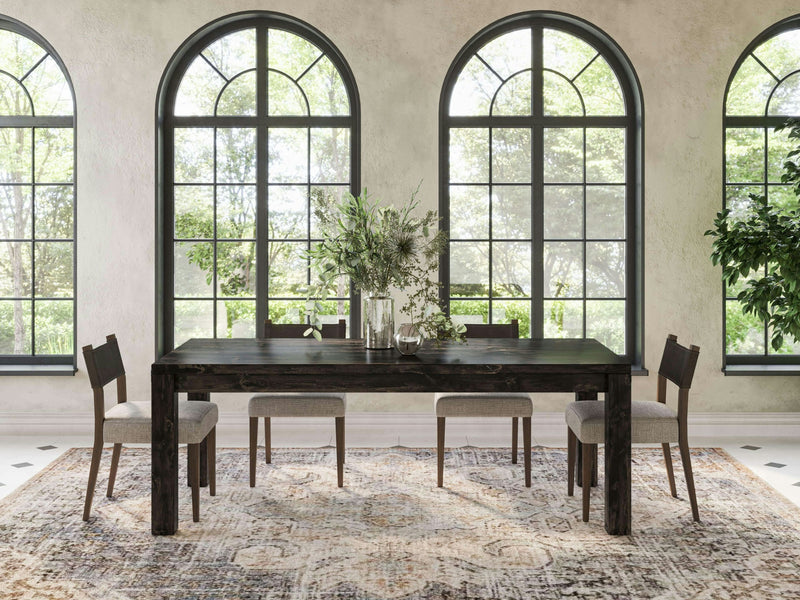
(769, 236)
(379, 248)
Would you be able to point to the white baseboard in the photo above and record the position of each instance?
(366, 429)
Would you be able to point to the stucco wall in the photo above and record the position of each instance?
(399, 51)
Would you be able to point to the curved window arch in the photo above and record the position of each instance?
(37, 204)
(541, 172)
(763, 91)
(257, 112)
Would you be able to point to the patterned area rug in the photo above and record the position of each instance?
(392, 534)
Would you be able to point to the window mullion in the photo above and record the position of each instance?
(537, 188)
(262, 197)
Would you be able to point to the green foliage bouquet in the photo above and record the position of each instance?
(380, 248)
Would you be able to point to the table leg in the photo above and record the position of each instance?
(202, 397)
(581, 396)
(164, 459)
(618, 455)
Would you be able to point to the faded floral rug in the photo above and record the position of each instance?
(390, 533)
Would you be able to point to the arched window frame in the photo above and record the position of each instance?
(36, 363)
(634, 144)
(166, 122)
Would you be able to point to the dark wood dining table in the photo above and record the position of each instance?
(201, 367)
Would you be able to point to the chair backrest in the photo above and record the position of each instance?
(296, 330)
(678, 362)
(492, 330)
(104, 364)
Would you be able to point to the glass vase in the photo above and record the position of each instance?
(408, 339)
(378, 315)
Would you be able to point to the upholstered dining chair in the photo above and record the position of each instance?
(486, 404)
(131, 423)
(302, 404)
(651, 422)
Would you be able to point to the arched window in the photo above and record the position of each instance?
(37, 204)
(258, 112)
(763, 91)
(541, 182)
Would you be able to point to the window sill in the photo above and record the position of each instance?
(46, 370)
(760, 370)
(639, 371)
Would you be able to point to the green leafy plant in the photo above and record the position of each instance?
(379, 248)
(765, 242)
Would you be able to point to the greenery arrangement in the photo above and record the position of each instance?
(380, 248)
(763, 245)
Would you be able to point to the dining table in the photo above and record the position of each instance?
(201, 367)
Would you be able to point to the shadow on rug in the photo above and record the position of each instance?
(390, 533)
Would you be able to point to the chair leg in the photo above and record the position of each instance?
(253, 448)
(587, 477)
(687, 469)
(439, 451)
(211, 440)
(339, 451)
(572, 443)
(268, 439)
(97, 450)
(526, 444)
(514, 436)
(670, 472)
(193, 451)
(112, 476)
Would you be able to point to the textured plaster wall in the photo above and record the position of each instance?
(399, 51)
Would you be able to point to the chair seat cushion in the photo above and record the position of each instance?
(485, 404)
(651, 422)
(131, 423)
(301, 404)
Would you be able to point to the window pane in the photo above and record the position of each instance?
(288, 270)
(469, 269)
(749, 89)
(15, 269)
(474, 89)
(288, 211)
(600, 89)
(287, 311)
(330, 155)
(23, 53)
(511, 155)
(290, 53)
(50, 91)
(199, 88)
(605, 270)
(560, 97)
(563, 212)
(508, 53)
(469, 211)
(744, 154)
(53, 155)
(563, 269)
(514, 97)
(233, 53)
(54, 210)
(778, 146)
(334, 191)
(738, 198)
(605, 212)
(469, 311)
(285, 97)
(325, 89)
(564, 53)
(54, 321)
(782, 197)
(13, 99)
(15, 155)
(53, 264)
(511, 212)
(236, 319)
(194, 155)
(239, 96)
(194, 266)
(193, 319)
(605, 155)
(15, 327)
(781, 54)
(288, 155)
(563, 155)
(605, 322)
(744, 333)
(789, 346)
(511, 269)
(236, 269)
(15, 211)
(236, 211)
(194, 211)
(505, 311)
(563, 318)
(236, 155)
(469, 155)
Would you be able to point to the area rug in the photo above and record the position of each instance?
(390, 533)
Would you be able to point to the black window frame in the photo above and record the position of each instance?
(166, 123)
(633, 122)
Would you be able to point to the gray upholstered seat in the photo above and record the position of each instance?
(309, 404)
(651, 422)
(130, 422)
